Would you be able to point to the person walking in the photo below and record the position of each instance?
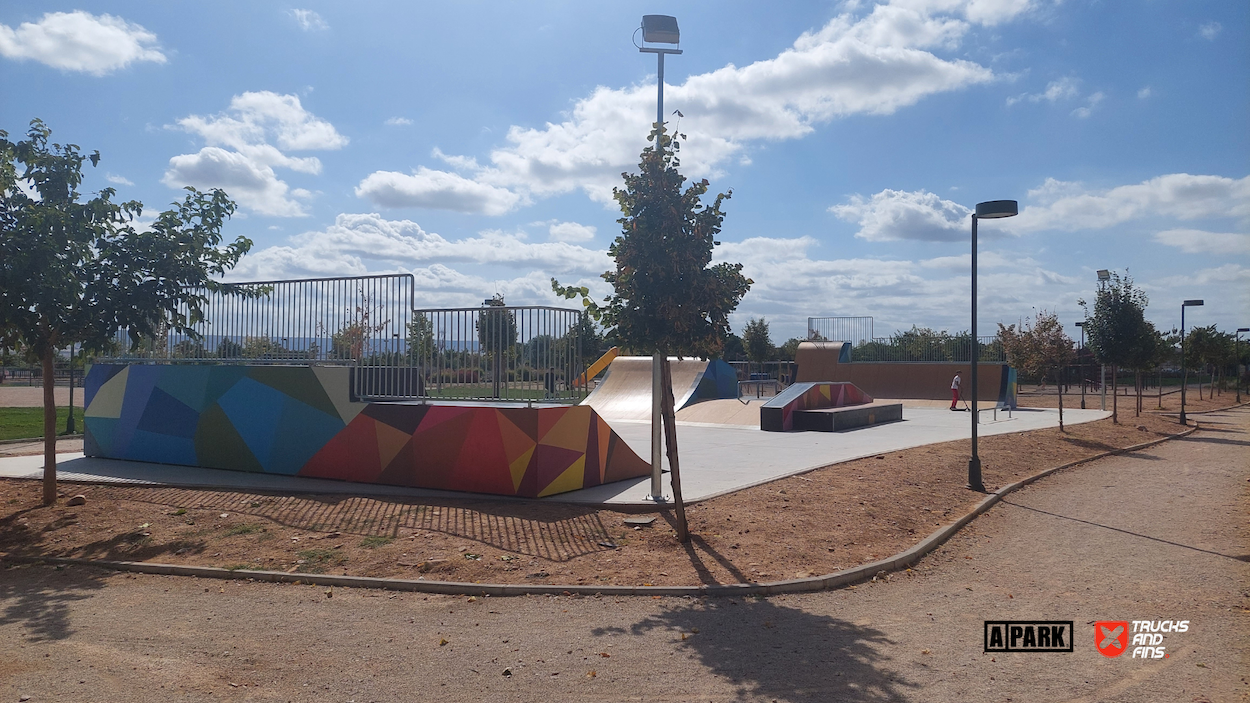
(955, 390)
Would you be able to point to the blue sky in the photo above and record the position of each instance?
(475, 144)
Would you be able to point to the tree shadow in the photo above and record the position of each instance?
(1217, 440)
(772, 652)
(695, 550)
(39, 597)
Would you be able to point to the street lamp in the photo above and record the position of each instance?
(989, 210)
(1081, 355)
(658, 29)
(1184, 367)
(1237, 361)
(1103, 276)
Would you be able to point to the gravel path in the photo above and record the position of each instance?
(1158, 535)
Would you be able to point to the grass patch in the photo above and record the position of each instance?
(236, 567)
(316, 561)
(374, 541)
(243, 529)
(27, 423)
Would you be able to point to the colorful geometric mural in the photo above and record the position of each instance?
(777, 415)
(298, 420)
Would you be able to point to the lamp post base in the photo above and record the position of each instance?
(974, 475)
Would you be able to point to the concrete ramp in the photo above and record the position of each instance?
(625, 393)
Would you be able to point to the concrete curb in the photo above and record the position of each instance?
(38, 439)
(1170, 413)
(846, 577)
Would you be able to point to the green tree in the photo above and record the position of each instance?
(1039, 347)
(75, 272)
(668, 297)
(790, 348)
(1117, 329)
(758, 343)
(497, 335)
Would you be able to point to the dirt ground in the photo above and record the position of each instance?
(828, 519)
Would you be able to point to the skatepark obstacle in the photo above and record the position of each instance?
(625, 393)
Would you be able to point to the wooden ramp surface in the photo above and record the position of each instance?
(625, 394)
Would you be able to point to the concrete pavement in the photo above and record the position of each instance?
(715, 459)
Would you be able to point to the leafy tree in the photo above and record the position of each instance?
(790, 348)
(667, 296)
(420, 336)
(75, 272)
(1117, 329)
(497, 335)
(1039, 347)
(758, 343)
(733, 350)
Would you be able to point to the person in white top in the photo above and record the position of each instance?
(955, 390)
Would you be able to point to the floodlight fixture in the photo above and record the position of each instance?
(1192, 303)
(1104, 275)
(660, 29)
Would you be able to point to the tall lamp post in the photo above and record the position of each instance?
(658, 29)
(1081, 355)
(1184, 366)
(989, 210)
(1237, 361)
(1103, 276)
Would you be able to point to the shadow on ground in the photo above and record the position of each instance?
(38, 597)
(771, 652)
(557, 532)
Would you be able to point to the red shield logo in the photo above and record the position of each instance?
(1111, 637)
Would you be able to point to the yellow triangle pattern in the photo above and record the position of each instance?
(570, 480)
(390, 441)
(108, 400)
(519, 465)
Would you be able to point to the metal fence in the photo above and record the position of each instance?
(495, 352)
(905, 348)
(513, 353)
(358, 320)
(855, 330)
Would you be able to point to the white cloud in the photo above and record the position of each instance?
(240, 158)
(398, 122)
(876, 63)
(435, 189)
(80, 41)
(1210, 30)
(1062, 89)
(1091, 102)
(895, 214)
(308, 20)
(359, 243)
(1070, 206)
(1144, 93)
(1194, 241)
(571, 232)
(252, 184)
(119, 180)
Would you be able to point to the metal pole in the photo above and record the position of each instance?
(974, 464)
(1184, 368)
(657, 383)
(69, 424)
(1237, 365)
(1082, 367)
(1102, 384)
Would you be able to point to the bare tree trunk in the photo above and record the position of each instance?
(1137, 381)
(669, 415)
(1160, 390)
(49, 429)
(1115, 399)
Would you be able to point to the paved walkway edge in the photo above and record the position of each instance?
(846, 577)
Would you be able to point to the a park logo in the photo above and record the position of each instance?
(1111, 637)
(1028, 636)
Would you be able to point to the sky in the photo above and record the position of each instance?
(476, 144)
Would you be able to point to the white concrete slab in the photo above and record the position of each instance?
(715, 459)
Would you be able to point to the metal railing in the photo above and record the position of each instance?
(840, 329)
(901, 348)
(357, 320)
(512, 353)
(493, 352)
